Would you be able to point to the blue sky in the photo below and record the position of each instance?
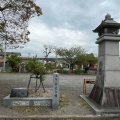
(68, 23)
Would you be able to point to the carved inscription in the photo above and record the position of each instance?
(100, 67)
(20, 103)
(42, 103)
(35, 103)
(56, 86)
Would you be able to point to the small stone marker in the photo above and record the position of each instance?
(55, 97)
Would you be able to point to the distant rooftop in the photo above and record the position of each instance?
(8, 53)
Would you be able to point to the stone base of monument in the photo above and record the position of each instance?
(20, 97)
(23, 97)
(98, 110)
(8, 101)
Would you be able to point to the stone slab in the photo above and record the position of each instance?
(98, 110)
(19, 92)
(26, 101)
(107, 37)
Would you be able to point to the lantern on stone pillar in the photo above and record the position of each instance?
(108, 26)
(106, 91)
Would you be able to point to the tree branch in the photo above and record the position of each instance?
(7, 6)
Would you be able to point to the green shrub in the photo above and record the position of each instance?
(64, 101)
(65, 71)
(60, 71)
(35, 67)
(49, 66)
(14, 61)
(79, 72)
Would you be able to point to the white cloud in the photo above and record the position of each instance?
(66, 23)
(105, 3)
(40, 34)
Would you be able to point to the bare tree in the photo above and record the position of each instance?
(48, 49)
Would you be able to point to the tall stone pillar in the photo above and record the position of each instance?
(106, 91)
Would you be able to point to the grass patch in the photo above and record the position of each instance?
(64, 101)
(84, 103)
(27, 109)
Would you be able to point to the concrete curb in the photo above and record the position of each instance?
(99, 110)
(65, 117)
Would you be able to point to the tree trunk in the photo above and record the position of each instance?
(71, 67)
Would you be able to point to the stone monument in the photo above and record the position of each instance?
(19, 97)
(105, 95)
(56, 94)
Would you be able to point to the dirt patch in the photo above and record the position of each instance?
(40, 93)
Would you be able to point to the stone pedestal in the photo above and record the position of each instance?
(105, 95)
(106, 91)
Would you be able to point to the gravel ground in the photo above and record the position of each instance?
(70, 88)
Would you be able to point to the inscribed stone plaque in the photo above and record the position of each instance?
(100, 67)
(19, 92)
